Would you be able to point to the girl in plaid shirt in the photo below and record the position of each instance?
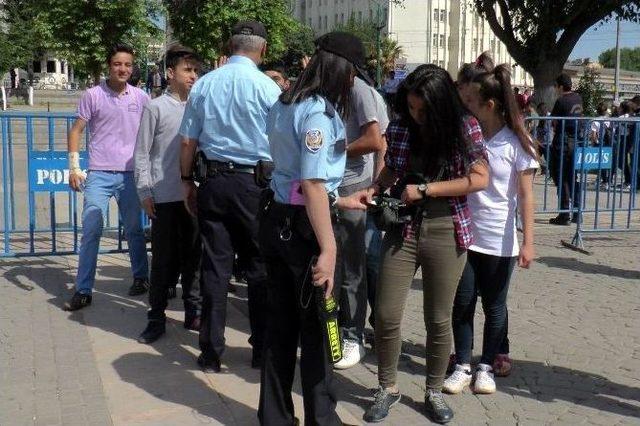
(434, 139)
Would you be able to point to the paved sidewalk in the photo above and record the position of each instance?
(574, 328)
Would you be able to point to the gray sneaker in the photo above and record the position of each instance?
(436, 407)
(384, 400)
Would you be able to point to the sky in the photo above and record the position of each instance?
(600, 38)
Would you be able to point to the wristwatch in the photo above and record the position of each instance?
(423, 188)
(186, 178)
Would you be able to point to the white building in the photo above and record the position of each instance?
(444, 32)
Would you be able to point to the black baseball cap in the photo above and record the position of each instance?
(249, 28)
(347, 46)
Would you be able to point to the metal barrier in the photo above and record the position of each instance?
(591, 172)
(39, 211)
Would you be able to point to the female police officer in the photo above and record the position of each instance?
(307, 140)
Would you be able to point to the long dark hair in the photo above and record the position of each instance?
(442, 134)
(327, 75)
(496, 85)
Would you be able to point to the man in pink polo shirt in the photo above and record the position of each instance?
(112, 110)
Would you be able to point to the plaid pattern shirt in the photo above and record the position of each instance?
(397, 159)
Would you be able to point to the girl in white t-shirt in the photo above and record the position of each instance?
(492, 257)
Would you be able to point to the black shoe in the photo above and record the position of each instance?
(139, 286)
(560, 220)
(209, 366)
(384, 400)
(78, 301)
(172, 292)
(154, 330)
(574, 218)
(436, 407)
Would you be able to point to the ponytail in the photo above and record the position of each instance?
(496, 85)
(471, 70)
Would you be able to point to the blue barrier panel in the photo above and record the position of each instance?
(593, 158)
(39, 211)
(48, 170)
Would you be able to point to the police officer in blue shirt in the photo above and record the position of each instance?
(225, 118)
(307, 140)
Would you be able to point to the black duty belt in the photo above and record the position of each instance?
(214, 167)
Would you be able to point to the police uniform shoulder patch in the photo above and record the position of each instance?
(313, 140)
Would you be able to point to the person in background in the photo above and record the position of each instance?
(225, 118)
(625, 147)
(568, 105)
(373, 235)
(491, 258)
(434, 159)
(365, 118)
(175, 243)
(156, 83)
(112, 110)
(600, 134)
(134, 80)
(279, 76)
(531, 114)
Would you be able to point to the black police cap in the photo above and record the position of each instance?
(249, 28)
(347, 46)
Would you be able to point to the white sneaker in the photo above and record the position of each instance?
(352, 353)
(460, 378)
(484, 382)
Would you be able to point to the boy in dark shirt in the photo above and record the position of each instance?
(569, 104)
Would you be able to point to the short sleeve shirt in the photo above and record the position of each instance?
(366, 106)
(568, 105)
(113, 122)
(494, 209)
(227, 112)
(307, 142)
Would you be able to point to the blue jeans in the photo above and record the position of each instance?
(373, 243)
(487, 276)
(100, 186)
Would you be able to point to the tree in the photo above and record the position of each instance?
(19, 38)
(629, 58)
(590, 89)
(83, 31)
(298, 47)
(205, 25)
(367, 32)
(540, 34)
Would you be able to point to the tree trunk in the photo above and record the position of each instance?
(544, 82)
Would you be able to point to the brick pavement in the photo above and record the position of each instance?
(574, 332)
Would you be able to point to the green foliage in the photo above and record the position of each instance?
(367, 32)
(299, 45)
(591, 90)
(629, 58)
(19, 38)
(83, 31)
(205, 25)
(540, 34)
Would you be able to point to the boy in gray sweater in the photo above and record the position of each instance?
(175, 242)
